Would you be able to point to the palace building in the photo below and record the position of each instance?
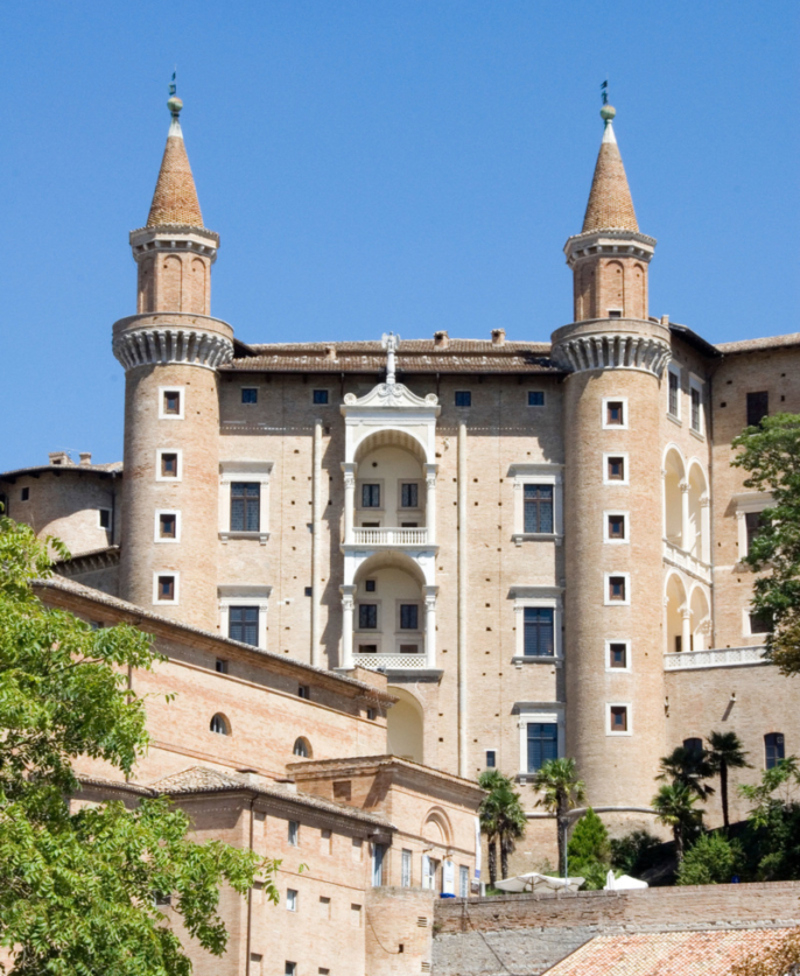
(469, 553)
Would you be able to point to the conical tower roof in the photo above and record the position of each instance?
(175, 198)
(610, 204)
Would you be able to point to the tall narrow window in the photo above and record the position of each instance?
(616, 469)
(538, 623)
(293, 833)
(616, 589)
(542, 744)
(172, 402)
(616, 528)
(405, 868)
(409, 616)
(615, 413)
(367, 616)
(245, 506)
(618, 655)
(463, 881)
(538, 502)
(754, 525)
(370, 496)
(773, 749)
(243, 624)
(409, 495)
(697, 415)
(378, 854)
(291, 900)
(167, 525)
(618, 718)
(674, 393)
(169, 465)
(219, 725)
(757, 407)
(166, 588)
(491, 758)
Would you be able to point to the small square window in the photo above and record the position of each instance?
(308, 591)
(491, 759)
(249, 394)
(615, 413)
(618, 655)
(616, 588)
(320, 397)
(463, 398)
(619, 718)
(167, 525)
(169, 465)
(221, 666)
(371, 714)
(166, 588)
(616, 528)
(293, 833)
(24, 494)
(615, 469)
(290, 969)
(369, 585)
(535, 398)
(104, 515)
(172, 402)
(291, 900)
(303, 692)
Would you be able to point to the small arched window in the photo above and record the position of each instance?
(302, 748)
(219, 725)
(773, 749)
(694, 747)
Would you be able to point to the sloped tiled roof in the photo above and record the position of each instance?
(610, 204)
(755, 345)
(114, 467)
(666, 953)
(175, 198)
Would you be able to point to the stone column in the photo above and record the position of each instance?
(430, 502)
(686, 629)
(348, 605)
(705, 529)
(685, 541)
(429, 592)
(349, 468)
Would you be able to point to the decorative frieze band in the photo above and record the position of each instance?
(614, 350)
(146, 347)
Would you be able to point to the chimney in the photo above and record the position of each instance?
(498, 337)
(441, 340)
(330, 352)
(665, 319)
(86, 458)
(59, 457)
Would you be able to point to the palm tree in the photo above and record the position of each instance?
(674, 805)
(561, 791)
(725, 753)
(689, 767)
(502, 818)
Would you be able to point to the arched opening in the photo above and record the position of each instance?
(404, 726)
(676, 605)
(220, 725)
(701, 619)
(697, 544)
(390, 482)
(302, 748)
(389, 611)
(674, 475)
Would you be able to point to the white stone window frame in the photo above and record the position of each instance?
(675, 370)
(626, 463)
(177, 586)
(626, 420)
(100, 510)
(249, 472)
(160, 451)
(420, 508)
(157, 527)
(696, 383)
(629, 709)
(359, 634)
(618, 640)
(379, 510)
(747, 503)
(181, 391)
(244, 595)
(607, 601)
(419, 632)
(549, 597)
(548, 713)
(606, 537)
(543, 473)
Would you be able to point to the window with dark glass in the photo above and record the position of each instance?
(618, 655)
(694, 747)
(542, 744)
(167, 525)
(674, 393)
(773, 749)
(369, 585)
(367, 648)
(616, 527)
(25, 494)
(696, 413)
(249, 394)
(301, 748)
(303, 691)
(463, 398)
(169, 465)
(615, 415)
(757, 407)
(535, 398)
(619, 718)
(409, 649)
(221, 666)
(538, 506)
(761, 622)
(166, 587)
(616, 587)
(616, 469)
(754, 525)
(219, 725)
(370, 496)
(367, 616)
(243, 624)
(172, 402)
(409, 495)
(538, 640)
(245, 506)
(409, 616)
(320, 397)
(491, 759)
(105, 518)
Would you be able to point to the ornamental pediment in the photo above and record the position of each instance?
(395, 396)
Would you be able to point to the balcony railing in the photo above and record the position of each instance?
(390, 662)
(389, 536)
(716, 657)
(684, 560)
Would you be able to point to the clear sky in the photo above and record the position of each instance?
(375, 165)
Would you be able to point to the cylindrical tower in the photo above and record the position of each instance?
(170, 351)
(615, 720)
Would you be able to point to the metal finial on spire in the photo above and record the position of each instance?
(603, 91)
(390, 342)
(174, 104)
(607, 112)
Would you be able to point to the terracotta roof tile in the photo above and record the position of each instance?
(755, 345)
(175, 198)
(610, 204)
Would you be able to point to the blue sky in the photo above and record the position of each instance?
(372, 165)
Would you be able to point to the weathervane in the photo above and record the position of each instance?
(603, 91)
(174, 104)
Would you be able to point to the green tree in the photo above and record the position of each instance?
(772, 837)
(675, 807)
(713, 859)
(77, 886)
(689, 767)
(634, 852)
(726, 753)
(589, 850)
(502, 818)
(770, 453)
(557, 779)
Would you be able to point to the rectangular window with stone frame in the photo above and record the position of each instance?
(538, 509)
(245, 506)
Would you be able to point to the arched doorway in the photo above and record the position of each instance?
(405, 726)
